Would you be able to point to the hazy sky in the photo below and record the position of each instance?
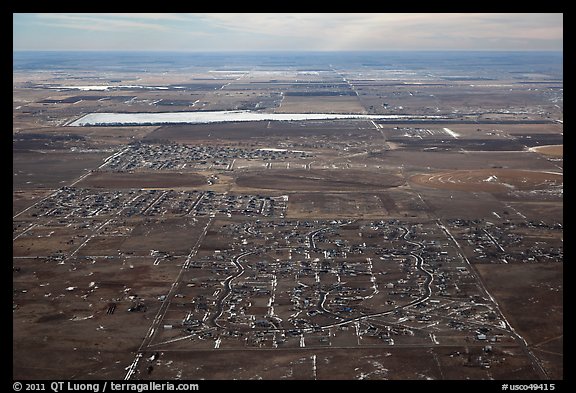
(324, 32)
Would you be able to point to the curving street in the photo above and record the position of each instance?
(419, 264)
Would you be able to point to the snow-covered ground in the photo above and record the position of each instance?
(108, 87)
(103, 119)
(451, 133)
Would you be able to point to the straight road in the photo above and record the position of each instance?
(519, 339)
(165, 304)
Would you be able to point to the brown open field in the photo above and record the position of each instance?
(155, 179)
(78, 138)
(471, 205)
(480, 130)
(547, 211)
(552, 150)
(72, 308)
(320, 104)
(342, 205)
(52, 169)
(385, 97)
(319, 180)
(390, 363)
(531, 296)
(262, 132)
(230, 99)
(490, 180)
(21, 199)
(420, 161)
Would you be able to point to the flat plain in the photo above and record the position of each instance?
(425, 248)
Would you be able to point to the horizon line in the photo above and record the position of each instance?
(284, 50)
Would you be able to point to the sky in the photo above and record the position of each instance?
(288, 31)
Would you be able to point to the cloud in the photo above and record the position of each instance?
(384, 31)
(305, 31)
(101, 22)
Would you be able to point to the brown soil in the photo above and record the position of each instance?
(550, 150)
(319, 180)
(531, 298)
(142, 180)
(489, 180)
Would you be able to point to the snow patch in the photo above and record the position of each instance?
(451, 133)
(103, 119)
